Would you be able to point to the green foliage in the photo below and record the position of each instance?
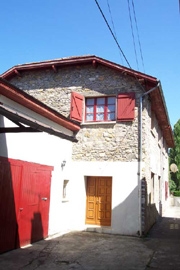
(172, 186)
(174, 155)
(176, 193)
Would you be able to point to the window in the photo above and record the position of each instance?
(153, 124)
(100, 109)
(152, 189)
(65, 187)
(104, 108)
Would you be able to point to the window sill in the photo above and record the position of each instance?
(65, 200)
(98, 123)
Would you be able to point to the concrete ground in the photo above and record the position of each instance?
(94, 251)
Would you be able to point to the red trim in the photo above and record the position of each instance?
(76, 61)
(76, 106)
(166, 190)
(105, 110)
(126, 107)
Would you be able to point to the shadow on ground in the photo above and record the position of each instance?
(164, 240)
(160, 249)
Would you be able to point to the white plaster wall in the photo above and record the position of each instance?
(159, 166)
(44, 149)
(124, 195)
(70, 215)
(37, 147)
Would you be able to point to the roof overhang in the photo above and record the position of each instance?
(22, 98)
(160, 110)
(31, 125)
(71, 61)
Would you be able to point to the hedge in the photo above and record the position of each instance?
(176, 193)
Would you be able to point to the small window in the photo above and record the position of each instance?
(152, 189)
(100, 109)
(65, 189)
(153, 123)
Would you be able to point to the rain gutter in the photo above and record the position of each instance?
(140, 155)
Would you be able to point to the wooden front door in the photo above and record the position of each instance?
(98, 200)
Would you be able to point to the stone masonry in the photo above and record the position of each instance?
(96, 142)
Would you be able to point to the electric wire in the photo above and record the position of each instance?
(142, 59)
(113, 26)
(111, 18)
(118, 44)
(132, 32)
(112, 33)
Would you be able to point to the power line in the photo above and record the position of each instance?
(112, 33)
(112, 18)
(138, 35)
(113, 26)
(133, 34)
(118, 44)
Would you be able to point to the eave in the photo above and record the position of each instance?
(27, 124)
(71, 61)
(158, 105)
(22, 98)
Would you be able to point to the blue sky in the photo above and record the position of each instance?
(36, 30)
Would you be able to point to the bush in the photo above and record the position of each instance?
(176, 193)
(172, 186)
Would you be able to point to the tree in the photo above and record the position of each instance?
(172, 186)
(174, 155)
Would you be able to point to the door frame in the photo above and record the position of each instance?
(97, 200)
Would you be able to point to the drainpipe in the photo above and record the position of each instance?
(140, 155)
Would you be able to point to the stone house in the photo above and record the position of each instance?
(117, 178)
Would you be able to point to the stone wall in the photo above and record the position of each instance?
(155, 157)
(108, 141)
(54, 89)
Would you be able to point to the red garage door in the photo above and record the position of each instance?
(24, 202)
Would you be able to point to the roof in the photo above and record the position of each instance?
(145, 81)
(34, 125)
(75, 60)
(22, 98)
(159, 107)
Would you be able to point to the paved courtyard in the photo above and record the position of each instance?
(95, 251)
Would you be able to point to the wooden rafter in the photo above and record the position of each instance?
(54, 68)
(17, 73)
(17, 129)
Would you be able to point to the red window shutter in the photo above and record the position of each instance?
(76, 106)
(126, 106)
(166, 190)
